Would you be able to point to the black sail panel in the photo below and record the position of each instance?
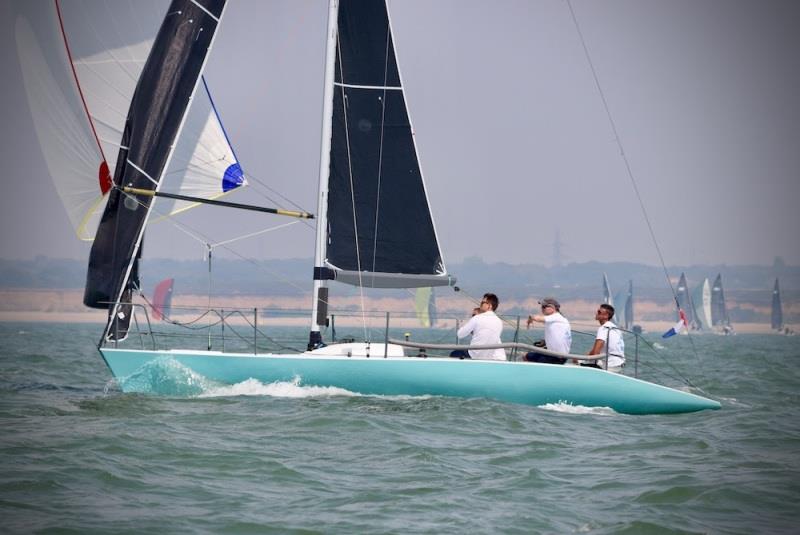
(719, 311)
(685, 299)
(378, 215)
(365, 51)
(156, 112)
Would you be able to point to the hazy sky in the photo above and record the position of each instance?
(513, 138)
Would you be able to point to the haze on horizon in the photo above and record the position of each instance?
(513, 139)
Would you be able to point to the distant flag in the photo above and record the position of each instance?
(162, 298)
(678, 327)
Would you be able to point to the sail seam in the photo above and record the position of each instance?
(210, 14)
(141, 171)
(377, 87)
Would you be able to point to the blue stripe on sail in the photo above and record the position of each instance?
(219, 119)
(233, 177)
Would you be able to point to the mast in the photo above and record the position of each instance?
(319, 306)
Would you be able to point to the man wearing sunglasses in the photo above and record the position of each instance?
(557, 332)
(608, 333)
(485, 329)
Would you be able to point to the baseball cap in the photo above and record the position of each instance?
(550, 301)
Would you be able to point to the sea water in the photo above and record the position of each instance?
(79, 456)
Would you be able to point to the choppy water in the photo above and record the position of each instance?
(76, 455)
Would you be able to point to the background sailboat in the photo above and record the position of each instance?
(776, 316)
(620, 299)
(607, 296)
(685, 300)
(630, 323)
(719, 310)
(701, 306)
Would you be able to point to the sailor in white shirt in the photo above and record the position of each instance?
(608, 333)
(557, 331)
(485, 329)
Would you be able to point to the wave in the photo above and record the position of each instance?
(568, 408)
(278, 389)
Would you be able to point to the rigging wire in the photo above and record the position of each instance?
(205, 241)
(627, 164)
(352, 189)
(188, 325)
(380, 151)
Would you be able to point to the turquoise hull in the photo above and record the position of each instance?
(515, 382)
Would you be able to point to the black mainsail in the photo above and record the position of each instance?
(719, 311)
(157, 112)
(380, 232)
(375, 227)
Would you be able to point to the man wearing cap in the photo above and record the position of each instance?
(557, 332)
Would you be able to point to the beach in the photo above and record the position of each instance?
(66, 306)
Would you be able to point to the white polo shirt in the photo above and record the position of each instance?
(557, 333)
(612, 336)
(485, 329)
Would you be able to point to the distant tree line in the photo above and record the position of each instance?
(752, 284)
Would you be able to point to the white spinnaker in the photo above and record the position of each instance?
(70, 151)
(108, 44)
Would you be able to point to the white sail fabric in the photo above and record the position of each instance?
(80, 69)
(607, 298)
(65, 134)
(701, 299)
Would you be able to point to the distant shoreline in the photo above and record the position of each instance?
(65, 306)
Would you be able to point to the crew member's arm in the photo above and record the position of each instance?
(467, 328)
(597, 348)
(538, 317)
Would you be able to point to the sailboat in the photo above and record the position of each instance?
(701, 306)
(374, 229)
(607, 297)
(684, 300)
(630, 324)
(719, 310)
(776, 316)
